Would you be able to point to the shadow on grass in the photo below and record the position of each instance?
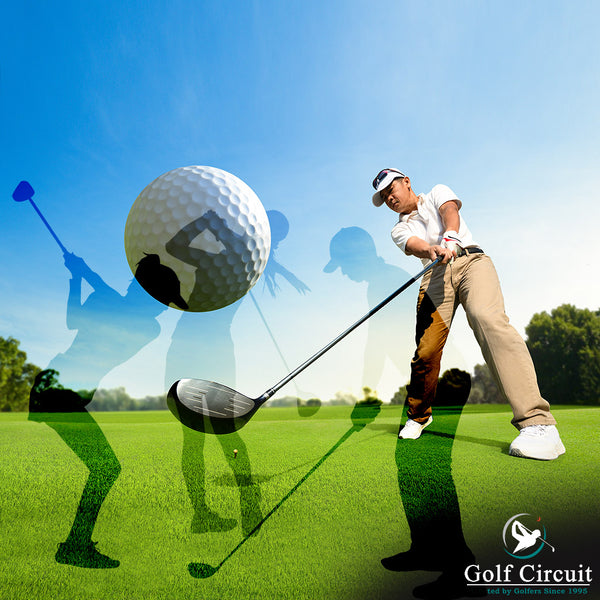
(362, 414)
(193, 467)
(228, 480)
(431, 506)
(474, 440)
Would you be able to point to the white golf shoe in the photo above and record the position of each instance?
(537, 441)
(412, 430)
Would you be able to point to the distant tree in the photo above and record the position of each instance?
(284, 401)
(343, 399)
(400, 396)
(565, 347)
(113, 399)
(369, 398)
(453, 388)
(119, 399)
(16, 376)
(152, 403)
(484, 389)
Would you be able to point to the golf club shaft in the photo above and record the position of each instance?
(547, 544)
(342, 335)
(39, 212)
(540, 538)
(262, 317)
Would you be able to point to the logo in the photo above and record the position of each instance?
(525, 537)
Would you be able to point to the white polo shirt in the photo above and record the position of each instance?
(426, 221)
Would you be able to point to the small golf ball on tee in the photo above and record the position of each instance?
(197, 238)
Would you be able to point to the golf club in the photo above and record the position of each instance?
(361, 415)
(212, 407)
(24, 192)
(539, 538)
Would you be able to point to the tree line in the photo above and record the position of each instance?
(564, 345)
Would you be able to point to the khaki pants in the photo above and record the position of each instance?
(472, 282)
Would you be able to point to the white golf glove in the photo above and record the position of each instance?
(451, 241)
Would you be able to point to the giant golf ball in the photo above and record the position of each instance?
(197, 238)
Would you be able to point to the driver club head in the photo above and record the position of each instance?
(210, 407)
(23, 192)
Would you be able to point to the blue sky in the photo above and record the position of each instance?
(305, 102)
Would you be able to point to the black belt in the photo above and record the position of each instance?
(468, 250)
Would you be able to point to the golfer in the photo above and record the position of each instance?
(430, 226)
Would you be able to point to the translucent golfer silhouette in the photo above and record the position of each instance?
(391, 334)
(111, 328)
(202, 347)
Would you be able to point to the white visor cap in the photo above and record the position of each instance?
(383, 179)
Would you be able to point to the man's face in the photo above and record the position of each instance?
(397, 196)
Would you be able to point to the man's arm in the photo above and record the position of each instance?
(450, 216)
(179, 245)
(451, 221)
(418, 247)
(74, 307)
(79, 271)
(274, 268)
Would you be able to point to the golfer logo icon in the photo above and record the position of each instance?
(524, 536)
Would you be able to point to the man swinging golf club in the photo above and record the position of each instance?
(429, 227)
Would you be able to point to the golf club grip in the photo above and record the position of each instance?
(350, 329)
(41, 216)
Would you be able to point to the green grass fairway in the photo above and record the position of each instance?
(325, 541)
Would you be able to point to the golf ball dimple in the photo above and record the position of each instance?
(211, 235)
